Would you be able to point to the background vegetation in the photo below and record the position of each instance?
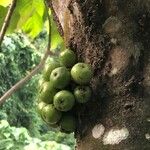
(17, 56)
(20, 52)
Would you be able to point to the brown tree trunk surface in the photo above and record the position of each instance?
(113, 36)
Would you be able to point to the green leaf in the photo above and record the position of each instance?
(28, 15)
(56, 39)
(13, 22)
(31, 12)
(34, 25)
(3, 11)
(6, 143)
(5, 2)
(3, 124)
(27, 8)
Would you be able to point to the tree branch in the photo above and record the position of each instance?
(7, 20)
(34, 71)
(24, 80)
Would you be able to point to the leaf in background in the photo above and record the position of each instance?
(5, 3)
(28, 15)
(3, 124)
(13, 22)
(31, 12)
(27, 8)
(6, 144)
(3, 11)
(34, 25)
(56, 39)
(20, 134)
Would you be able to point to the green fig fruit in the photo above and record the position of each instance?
(49, 68)
(47, 93)
(67, 123)
(50, 114)
(82, 94)
(40, 106)
(60, 77)
(81, 73)
(67, 58)
(64, 100)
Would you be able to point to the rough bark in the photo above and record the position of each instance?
(113, 37)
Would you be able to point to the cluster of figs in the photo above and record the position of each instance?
(64, 83)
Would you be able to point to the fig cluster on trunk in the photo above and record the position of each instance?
(64, 83)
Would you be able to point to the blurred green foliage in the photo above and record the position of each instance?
(12, 138)
(59, 137)
(17, 57)
(30, 17)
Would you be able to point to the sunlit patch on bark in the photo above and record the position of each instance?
(113, 41)
(77, 11)
(114, 71)
(115, 136)
(148, 119)
(112, 26)
(147, 136)
(98, 131)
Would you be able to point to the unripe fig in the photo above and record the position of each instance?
(67, 58)
(40, 83)
(40, 106)
(50, 114)
(64, 100)
(67, 123)
(60, 77)
(56, 125)
(82, 94)
(47, 93)
(49, 68)
(81, 73)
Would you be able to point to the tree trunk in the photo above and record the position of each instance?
(113, 37)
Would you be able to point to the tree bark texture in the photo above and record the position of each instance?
(113, 36)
